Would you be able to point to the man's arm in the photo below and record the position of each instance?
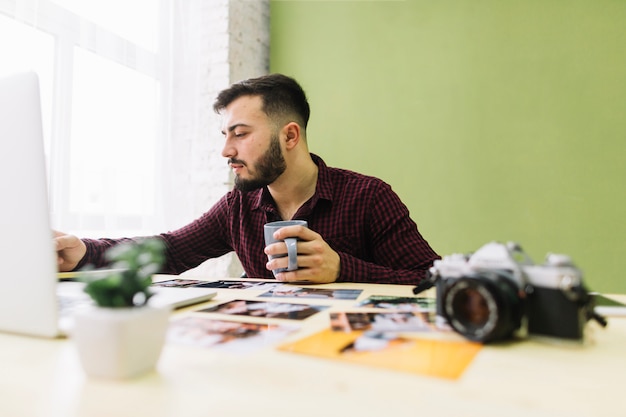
(73, 253)
(400, 255)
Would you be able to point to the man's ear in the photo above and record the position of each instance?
(292, 134)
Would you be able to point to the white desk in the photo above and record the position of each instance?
(44, 378)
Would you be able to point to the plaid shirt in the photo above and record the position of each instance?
(360, 217)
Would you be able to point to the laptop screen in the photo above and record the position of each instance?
(28, 276)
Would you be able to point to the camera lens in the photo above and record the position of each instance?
(483, 307)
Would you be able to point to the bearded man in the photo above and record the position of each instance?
(358, 228)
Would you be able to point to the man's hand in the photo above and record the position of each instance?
(70, 250)
(317, 262)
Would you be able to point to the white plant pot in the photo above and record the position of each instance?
(120, 343)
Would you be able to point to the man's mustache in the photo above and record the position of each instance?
(236, 161)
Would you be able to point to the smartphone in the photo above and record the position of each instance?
(606, 306)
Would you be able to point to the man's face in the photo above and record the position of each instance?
(266, 169)
(252, 144)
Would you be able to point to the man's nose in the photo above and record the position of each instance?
(228, 151)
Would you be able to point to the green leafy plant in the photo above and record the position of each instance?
(127, 284)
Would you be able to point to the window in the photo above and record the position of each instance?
(112, 143)
(34, 51)
(99, 75)
(136, 21)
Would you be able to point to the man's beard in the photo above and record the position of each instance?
(268, 168)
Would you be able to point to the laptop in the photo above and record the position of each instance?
(29, 292)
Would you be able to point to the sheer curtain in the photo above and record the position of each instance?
(132, 144)
(99, 69)
(212, 44)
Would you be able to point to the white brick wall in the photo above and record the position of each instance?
(217, 43)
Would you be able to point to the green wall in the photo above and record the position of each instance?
(493, 120)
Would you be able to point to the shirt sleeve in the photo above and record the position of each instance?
(206, 237)
(96, 249)
(400, 255)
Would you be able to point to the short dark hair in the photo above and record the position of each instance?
(282, 97)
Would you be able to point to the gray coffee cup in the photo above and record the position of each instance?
(291, 242)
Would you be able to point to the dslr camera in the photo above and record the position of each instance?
(498, 292)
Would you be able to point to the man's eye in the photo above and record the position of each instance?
(240, 134)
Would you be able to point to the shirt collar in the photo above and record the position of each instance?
(324, 189)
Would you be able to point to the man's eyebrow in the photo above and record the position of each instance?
(235, 126)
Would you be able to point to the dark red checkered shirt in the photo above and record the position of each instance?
(360, 217)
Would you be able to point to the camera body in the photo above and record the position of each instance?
(498, 293)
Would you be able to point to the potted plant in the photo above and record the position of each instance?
(122, 335)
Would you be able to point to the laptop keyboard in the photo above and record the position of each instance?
(68, 305)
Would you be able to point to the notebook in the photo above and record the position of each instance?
(29, 295)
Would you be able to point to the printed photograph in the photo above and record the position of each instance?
(399, 352)
(375, 341)
(401, 321)
(178, 283)
(266, 309)
(239, 285)
(399, 303)
(321, 293)
(226, 335)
